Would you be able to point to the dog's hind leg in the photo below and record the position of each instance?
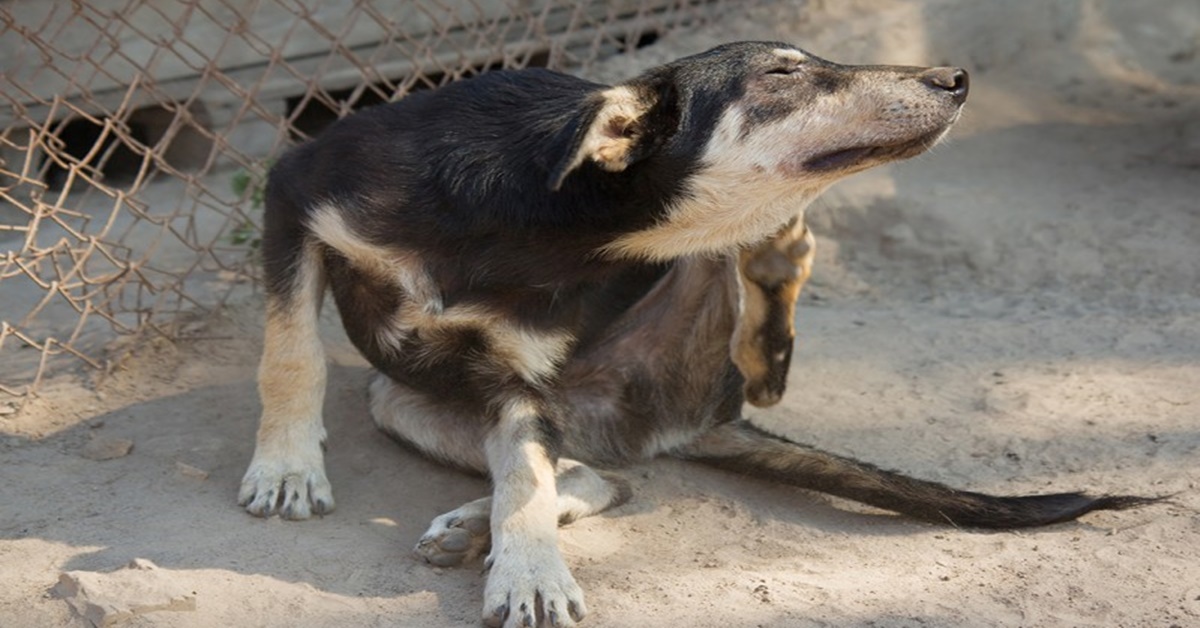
(287, 472)
(743, 448)
(465, 533)
(770, 276)
(448, 435)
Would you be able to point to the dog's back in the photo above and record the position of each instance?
(451, 186)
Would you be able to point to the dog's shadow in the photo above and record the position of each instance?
(156, 502)
(386, 494)
(153, 504)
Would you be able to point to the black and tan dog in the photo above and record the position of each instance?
(549, 274)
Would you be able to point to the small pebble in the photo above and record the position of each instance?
(106, 448)
(190, 471)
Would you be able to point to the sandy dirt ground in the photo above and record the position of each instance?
(1018, 311)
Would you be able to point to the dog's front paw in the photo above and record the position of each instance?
(295, 489)
(455, 537)
(531, 587)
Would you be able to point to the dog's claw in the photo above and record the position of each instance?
(497, 616)
(533, 582)
(292, 491)
(527, 620)
(577, 610)
(556, 620)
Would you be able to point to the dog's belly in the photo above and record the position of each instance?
(660, 374)
(623, 413)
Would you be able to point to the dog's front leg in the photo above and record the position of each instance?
(287, 473)
(525, 562)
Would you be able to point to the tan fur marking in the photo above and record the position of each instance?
(403, 269)
(533, 355)
(608, 142)
(291, 375)
(744, 343)
(791, 55)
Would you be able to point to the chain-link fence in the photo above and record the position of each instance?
(135, 135)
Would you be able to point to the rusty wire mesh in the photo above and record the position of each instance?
(135, 134)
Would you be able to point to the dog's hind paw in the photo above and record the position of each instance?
(291, 491)
(456, 537)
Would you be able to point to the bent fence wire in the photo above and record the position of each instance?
(135, 135)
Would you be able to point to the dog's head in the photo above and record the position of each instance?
(755, 131)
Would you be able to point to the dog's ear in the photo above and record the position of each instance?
(609, 134)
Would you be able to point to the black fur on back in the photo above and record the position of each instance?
(459, 174)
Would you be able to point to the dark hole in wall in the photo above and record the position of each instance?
(310, 116)
(114, 162)
(640, 41)
(180, 145)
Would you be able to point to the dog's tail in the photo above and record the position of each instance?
(744, 448)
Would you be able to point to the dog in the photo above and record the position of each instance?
(554, 278)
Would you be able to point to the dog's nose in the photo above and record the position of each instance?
(955, 81)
